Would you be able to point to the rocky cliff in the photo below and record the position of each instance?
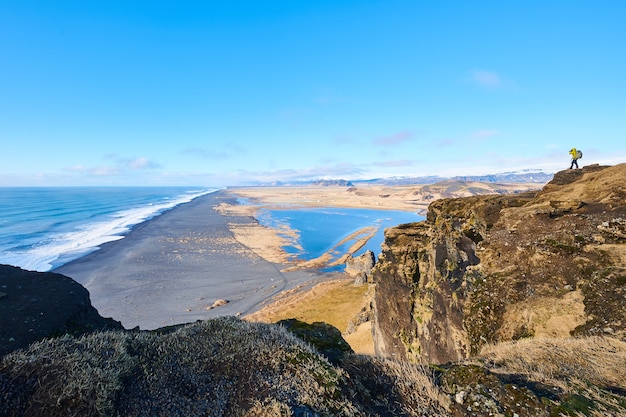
(488, 269)
(35, 305)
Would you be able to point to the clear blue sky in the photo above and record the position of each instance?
(128, 92)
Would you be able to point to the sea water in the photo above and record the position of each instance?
(329, 230)
(43, 228)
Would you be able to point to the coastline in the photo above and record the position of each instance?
(210, 257)
(178, 267)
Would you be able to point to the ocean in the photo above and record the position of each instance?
(44, 228)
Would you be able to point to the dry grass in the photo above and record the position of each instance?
(591, 369)
(598, 360)
(219, 367)
(395, 388)
(361, 340)
(67, 376)
(334, 302)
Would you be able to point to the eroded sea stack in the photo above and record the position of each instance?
(489, 269)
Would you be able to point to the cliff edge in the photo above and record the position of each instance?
(36, 305)
(488, 269)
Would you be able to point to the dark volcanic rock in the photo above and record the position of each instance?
(36, 305)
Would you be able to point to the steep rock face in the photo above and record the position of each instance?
(361, 266)
(36, 305)
(488, 269)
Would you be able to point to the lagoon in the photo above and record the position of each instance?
(317, 231)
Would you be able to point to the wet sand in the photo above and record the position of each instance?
(174, 268)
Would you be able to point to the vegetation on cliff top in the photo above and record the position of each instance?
(230, 367)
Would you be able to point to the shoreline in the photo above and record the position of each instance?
(171, 269)
(210, 257)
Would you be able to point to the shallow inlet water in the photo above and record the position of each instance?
(334, 230)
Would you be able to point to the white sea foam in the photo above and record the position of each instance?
(64, 247)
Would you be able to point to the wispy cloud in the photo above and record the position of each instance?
(395, 139)
(131, 162)
(484, 134)
(488, 79)
(445, 143)
(394, 163)
(327, 96)
(95, 171)
(492, 80)
(226, 151)
(331, 171)
(141, 163)
(120, 165)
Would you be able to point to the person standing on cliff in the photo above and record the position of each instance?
(576, 155)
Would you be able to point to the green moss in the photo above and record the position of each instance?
(561, 246)
(573, 405)
(522, 333)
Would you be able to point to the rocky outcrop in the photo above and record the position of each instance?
(324, 337)
(361, 266)
(488, 269)
(37, 305)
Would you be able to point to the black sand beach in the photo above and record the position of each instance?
(171, 269)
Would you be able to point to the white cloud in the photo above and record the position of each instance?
(226, 151)
(394, 163)
(395, 139)
(484, 133)
(77, 168)
(120, 166)
(488, 79)
(139, 163)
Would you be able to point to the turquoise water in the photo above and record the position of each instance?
(323, 229)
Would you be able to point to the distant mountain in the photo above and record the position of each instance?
(333, 183)
(401, 180)
(529, 176)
